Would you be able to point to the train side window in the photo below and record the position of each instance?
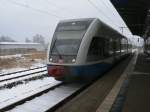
(123, 44)
(97, 49)
(111, 47)
(117, 46)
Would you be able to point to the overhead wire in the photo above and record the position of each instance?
(100, 11)
(26, 5)
(115, 15)
(61, 8)
(54, 5)
(33, 8)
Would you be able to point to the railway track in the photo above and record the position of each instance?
(5, 74)
(11, 79)
(16, 100)
(45, 98)
(59, 89)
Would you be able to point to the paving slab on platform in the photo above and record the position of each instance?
(138, 95)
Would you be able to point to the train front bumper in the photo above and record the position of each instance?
(75, 72)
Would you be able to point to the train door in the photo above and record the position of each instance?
(98, 50)
(115, 44)
(124, 46)
(118, 47)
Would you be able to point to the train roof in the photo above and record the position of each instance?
(91, 19)
(79, 19)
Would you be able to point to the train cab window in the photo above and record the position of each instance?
(98, 49)
(67, 38)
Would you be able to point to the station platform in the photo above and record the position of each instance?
(120, 90)
(137, 97)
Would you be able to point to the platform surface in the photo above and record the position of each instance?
(138, 92)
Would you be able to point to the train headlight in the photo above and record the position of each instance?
(73, 60)
(50, 59)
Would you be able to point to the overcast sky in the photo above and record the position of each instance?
(25, 18)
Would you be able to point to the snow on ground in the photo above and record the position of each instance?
(21, 79)
(22, 73)
(35, 65)
(39, 63)
(20, 90)
(4, 71)
(12, 56)
(48, 100)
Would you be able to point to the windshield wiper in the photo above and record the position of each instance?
(60, 56)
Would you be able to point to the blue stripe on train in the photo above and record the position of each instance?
(88, 70)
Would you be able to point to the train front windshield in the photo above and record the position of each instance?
(64, 45)
(67, 39)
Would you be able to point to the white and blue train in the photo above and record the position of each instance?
(84, 48)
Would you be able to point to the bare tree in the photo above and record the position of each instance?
(27, 40)
(6, 39)
(39, 39)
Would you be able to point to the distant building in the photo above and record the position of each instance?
(8, 48)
